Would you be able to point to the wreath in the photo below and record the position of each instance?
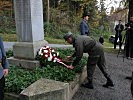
(51, 55)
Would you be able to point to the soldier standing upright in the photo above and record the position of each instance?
(84, 28)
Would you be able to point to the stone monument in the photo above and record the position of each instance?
(30, 33)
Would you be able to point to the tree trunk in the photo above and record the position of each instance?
(130, 9)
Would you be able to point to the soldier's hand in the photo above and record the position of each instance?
(69, 57)
(5, 72)
(70, 67)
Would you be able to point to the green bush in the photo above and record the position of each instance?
(7, 25)
(96, 33)
(20, 78)
(9, 53)
(54, 30)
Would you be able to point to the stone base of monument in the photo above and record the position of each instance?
(28, 64)
(27, 50)
(45, 89)
(25, 53)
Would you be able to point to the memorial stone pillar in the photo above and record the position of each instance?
(30, 33)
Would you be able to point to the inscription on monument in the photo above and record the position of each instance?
(23, 9)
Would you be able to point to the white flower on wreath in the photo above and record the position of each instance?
(50, 57)
(48, 53)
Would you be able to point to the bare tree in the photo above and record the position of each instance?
(130, 8)
(128, 4)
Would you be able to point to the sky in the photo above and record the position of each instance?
(110, 3)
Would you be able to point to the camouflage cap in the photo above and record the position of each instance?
(67, 35)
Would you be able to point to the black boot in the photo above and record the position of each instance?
(109, 84)
(88, 85)
(129, 77)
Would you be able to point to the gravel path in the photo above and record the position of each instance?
(118, 71)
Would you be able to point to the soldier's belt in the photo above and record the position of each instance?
(93, 59)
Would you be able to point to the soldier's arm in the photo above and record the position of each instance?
(78, 53)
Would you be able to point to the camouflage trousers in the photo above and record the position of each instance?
(94, 61)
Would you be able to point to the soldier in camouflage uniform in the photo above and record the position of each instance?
(85, 44)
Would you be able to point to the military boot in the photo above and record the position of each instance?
(88, 85)
(129, 77)
(109, 83)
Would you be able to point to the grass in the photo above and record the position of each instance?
(111, 50)
(107, 43)
(54, 41)
(13, 38)
(8, 37)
